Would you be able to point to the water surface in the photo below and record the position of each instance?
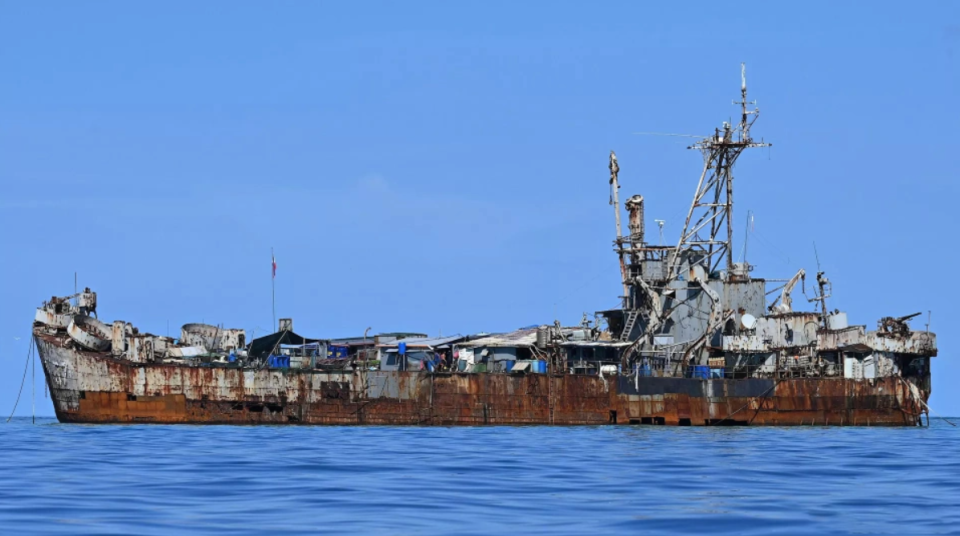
(149, 479)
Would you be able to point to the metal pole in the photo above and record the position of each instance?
(729, 208)
(614, 187)
(615, 201)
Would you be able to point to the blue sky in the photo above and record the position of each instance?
(441, 167)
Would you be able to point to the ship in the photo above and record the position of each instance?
(695, 340)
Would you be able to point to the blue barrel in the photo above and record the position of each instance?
(508, 365)
(701, 372)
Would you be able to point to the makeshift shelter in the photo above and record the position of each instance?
(416, 350)
(262, 347)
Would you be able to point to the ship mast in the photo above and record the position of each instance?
(712, 208)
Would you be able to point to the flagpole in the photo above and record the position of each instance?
(273, 286)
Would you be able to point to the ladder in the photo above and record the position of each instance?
(629, 323)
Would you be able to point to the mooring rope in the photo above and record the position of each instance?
(26, 366)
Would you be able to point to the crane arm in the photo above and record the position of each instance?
(717, 318)
(715, 311)
(655, 306)
(786, 302)
(714, 297)
(653, 302)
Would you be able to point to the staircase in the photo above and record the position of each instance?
(629, 323)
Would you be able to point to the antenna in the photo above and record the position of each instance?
(746, 235)
(660, 224)
(712, 206)
(826, 288)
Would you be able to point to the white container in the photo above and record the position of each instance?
(837, 321)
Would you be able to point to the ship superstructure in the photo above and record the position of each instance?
(690, 309)
(696, 341)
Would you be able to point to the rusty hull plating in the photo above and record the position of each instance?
(93, 387)
(693, 342)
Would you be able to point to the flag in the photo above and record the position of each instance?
(274, 261)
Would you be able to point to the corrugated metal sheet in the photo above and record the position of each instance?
(420, 342)
(521, 337)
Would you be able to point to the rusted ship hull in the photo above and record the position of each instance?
(92, 387)
(687, 314)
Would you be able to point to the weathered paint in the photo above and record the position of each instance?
(857, 339)
(90, 332)
(96, 387)
(52, 319)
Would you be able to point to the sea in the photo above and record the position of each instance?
(153, 479)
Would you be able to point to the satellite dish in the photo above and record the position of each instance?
(748, 321)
